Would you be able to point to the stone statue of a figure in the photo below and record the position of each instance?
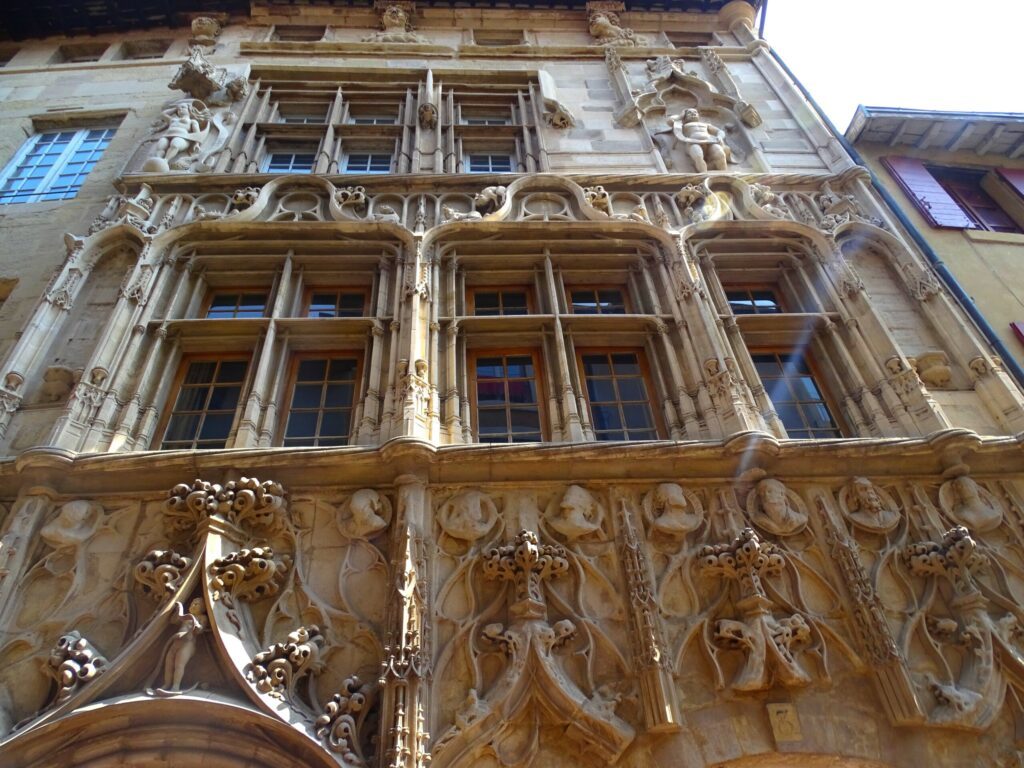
(702, 142)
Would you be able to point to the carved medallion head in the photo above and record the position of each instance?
(775, 508)
(468, 515)
(578, 513)
(76, 522)
(970, 504)
(867, 506)
(365, 514)
(671, 511)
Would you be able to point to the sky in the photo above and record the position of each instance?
(919, 54)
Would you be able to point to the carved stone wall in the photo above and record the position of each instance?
(720, 595)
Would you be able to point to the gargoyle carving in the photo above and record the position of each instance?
(769, 642)
(201, 80)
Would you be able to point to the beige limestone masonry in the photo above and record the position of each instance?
(722, 595)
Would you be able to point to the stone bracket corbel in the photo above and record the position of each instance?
(555, 113)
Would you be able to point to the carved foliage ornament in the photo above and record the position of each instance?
(160, 572)
(277, 670)
(338, 726)
(73, 662)
(249, 574)
(246, 503)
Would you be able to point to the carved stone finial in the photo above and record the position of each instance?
(955, 557)
(527, 564)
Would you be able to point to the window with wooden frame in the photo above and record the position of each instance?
(290, 160)
(325, 302)
(597, 300)
(232, 305)
(322, 393)
(498, 302)
(960, 198)
(798, 399)
(753, 300)
(302, 112)
(208, 392)
(489, 162)
(367, 162)
(619, 389)
(506, 396)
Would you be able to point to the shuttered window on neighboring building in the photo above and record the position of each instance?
(955, 197)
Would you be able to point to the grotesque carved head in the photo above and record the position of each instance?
(395, 18)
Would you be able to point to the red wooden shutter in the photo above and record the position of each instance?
(1014, 177)
(1018, 331)
(927, 194)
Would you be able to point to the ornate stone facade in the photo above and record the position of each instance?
(706, 572)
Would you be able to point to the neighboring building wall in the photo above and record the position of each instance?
(756, 420)
(986, 264)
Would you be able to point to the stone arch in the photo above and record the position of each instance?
(182, 731)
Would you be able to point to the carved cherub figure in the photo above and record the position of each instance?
(702, 142)
(770, 508)
(578, 514)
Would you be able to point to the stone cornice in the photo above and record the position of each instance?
(824, 461)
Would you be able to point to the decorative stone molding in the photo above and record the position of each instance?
(768, 643)
(72, 663)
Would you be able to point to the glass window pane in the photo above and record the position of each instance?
(790, 416)
(224, 398)
(302, 424)
(216, 426)
(335, 423)
(338, 395)
(490, 368)
(486, 303)
(307, 396)
(596, 365)
(351, 304)
(520, 366)
(632, 390)
(191, 398)
(312, 370)
(182, 427)
(200, 372)
(817, 416)
(804, 388)
(606, 417)
(637, 416)
(601, 390)
(625, 364)
(491, 420)
(343, 369)
(490, 392)
(522, 392)
(233, 370)
(525, 419)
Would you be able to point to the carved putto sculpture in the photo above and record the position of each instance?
(395, 27)
(775, 508)
(701, 141)
(867, 506)
(187, 125)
